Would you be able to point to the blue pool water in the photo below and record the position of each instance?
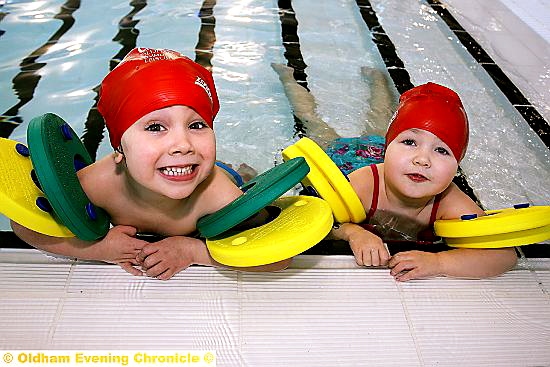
(53, 55)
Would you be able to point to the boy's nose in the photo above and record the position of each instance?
(180, 145)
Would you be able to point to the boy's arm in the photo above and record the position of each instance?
(118, 246)
(167, 257)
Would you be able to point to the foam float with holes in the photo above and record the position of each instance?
(509, 227)
(300, 222)
(20, 198)
(57, 154)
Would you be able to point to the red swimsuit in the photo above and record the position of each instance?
(424, 237)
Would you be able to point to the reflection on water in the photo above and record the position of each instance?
(26, 81)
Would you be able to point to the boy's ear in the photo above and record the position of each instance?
(118, 156)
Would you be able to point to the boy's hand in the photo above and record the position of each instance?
(368, 249)
(120, 247)
(169, 256)
(409, 265)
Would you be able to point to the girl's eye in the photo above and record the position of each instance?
(441, 150)
(155, 126)
(409, 142)
(198, 125)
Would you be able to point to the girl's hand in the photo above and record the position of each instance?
(368, 249)
(409, 265)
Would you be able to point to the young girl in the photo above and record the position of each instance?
(159, 108)
(426, 140)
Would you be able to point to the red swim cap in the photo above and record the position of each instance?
(150, 79)
(434, 108)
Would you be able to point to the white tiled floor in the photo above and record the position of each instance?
(323, 311)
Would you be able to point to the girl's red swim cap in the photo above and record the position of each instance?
(150, 79)
(434, 108)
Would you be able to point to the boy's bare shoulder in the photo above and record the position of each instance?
(99, 181)
(216, 192)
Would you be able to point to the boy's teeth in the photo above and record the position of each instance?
(176, 171)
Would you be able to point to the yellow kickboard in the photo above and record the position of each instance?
(302, 223)
(18, 193)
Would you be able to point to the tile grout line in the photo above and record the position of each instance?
(60, 306)
(410, 325)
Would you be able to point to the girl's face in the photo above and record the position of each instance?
(169, 151)
(418, 164)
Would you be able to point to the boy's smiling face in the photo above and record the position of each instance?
(169, 151)
(418, 164)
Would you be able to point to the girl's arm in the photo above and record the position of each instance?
(461, 263)
(477, 263)
(368, 249)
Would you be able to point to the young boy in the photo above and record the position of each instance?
(403, 196)
(159, 108)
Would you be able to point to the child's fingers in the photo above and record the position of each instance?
(166, 275)
(149, 262)
(384, 255)
(366, 257)
(358, 254)
(147, 250)
(156, 270)
(130, 269)
(375, 257)
(127, 230)
(397, 258)
(400, 266)
(408, 275)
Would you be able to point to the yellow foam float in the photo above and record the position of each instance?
(302, 223)
(20, 198)
(328, 181)
(498, 228)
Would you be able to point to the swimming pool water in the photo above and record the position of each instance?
(67, 46)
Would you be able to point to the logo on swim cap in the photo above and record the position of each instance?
(202, 83)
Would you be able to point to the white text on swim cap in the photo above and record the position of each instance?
(204, 86)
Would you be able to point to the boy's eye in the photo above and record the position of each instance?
(442, 150)
(409, 142)
(155, 126)
(198, 125)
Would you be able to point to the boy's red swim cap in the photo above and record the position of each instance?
(434, 108)
(150, 79)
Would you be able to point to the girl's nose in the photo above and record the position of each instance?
(421, 159)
